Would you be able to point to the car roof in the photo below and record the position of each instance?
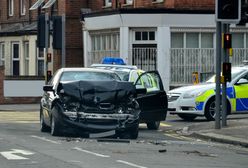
(131, 67)
(85, 69)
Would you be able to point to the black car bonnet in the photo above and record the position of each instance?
(95, 92)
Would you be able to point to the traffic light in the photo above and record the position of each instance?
(41, 36)
(227, 41)
(228, 11)
(48, 75)
(226, 69)
(244, 12)
(57, 32)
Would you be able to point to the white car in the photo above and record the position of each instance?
(188, 102)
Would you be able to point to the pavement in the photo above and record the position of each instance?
(235, 133)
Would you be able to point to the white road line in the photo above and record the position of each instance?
(45, 139)
(130, 164)
(89, 152)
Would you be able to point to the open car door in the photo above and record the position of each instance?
(154, 102)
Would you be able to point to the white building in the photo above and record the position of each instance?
(175, 42)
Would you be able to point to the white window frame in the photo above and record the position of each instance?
(40, 57)
(2, 53)
(108, 3)
(11, 7)
(129, 2)
(144, 41)
(26, 57)
(23, 7)
(12, 56)
(158, 1)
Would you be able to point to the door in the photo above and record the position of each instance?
(241, 89)
(154, 102)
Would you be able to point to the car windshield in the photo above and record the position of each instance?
(88, 75)
(235, 73)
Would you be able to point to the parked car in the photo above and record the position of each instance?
(90, 100)
(152, 82)
(188, 102)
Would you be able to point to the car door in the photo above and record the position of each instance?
(154, 102)
(241, 89)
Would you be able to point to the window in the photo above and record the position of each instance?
(192, 40)
(2, 54)
(176, 40)
(40, 63)
(157, 0)
(23, 7)
(15, 59)
(237, 40)
(11, 7)
(129, 2)
(207, 40)
(26, 57)
(144, 35)
(108, 2)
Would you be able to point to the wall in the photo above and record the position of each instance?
(21, 98)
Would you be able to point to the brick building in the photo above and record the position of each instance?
(19, 56)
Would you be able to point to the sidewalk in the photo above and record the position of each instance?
(236, 132)
(19, 107)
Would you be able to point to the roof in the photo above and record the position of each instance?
(85, 69)
(19, 29)
(146, 11)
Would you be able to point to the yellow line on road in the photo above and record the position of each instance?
(165, 125)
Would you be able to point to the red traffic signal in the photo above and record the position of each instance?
(227, 41)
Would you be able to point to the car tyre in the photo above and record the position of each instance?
(210, 110)
(55, 126)
(43, 126)
(187, 117)
(154, 125)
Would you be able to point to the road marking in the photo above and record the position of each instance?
(45, 139)
(89, 152)
(179, 137)
(11, 155)
(130, 164)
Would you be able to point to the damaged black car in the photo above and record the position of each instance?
(96, 101)
(89, 101)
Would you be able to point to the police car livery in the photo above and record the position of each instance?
(199, 100)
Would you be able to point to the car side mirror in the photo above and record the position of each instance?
(48, 88)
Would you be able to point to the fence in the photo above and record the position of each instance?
(186, 61)
(183, 61)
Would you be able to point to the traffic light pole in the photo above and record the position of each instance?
(225, 58)
(218, 70)
(47, 28)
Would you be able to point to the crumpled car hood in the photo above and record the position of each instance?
(95, 92)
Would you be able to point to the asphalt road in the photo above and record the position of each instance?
(22, 145)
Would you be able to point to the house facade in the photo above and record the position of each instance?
(20, 58)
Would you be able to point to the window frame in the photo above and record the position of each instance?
(107, 3)
(11, 7)
(15, 59)
(2, 53)
(23, 7)
(26, 57)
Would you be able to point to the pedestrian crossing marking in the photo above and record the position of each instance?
(19, 117)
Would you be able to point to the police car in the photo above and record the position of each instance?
(188, 102)
(151, 81)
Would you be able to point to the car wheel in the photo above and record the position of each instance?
(187, 117)
(154, 125)
(210, 110)
(43, 126)
(55, 126)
